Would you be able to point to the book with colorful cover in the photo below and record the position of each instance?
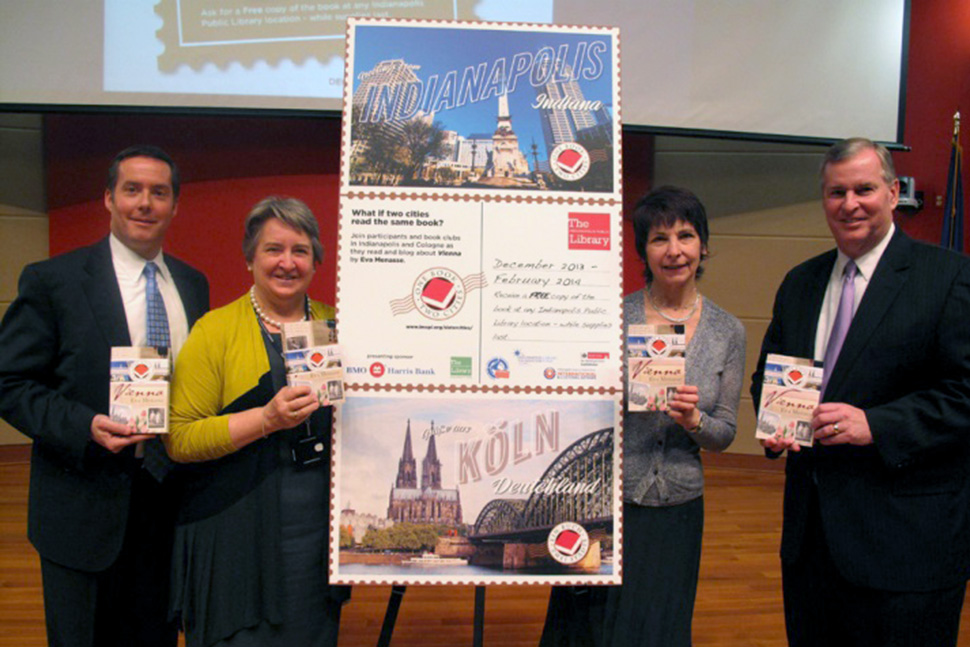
(314, 359)
(139, 387)
(655, 365)
(790, 394)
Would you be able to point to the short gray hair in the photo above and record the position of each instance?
(291, 212)
(849, 148)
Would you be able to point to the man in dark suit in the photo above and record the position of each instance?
(876, 535)
(100, 521)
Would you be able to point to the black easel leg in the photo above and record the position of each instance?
(479, 627)
(390, 616)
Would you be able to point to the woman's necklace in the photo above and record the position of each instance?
(269, 320)
(656, 307)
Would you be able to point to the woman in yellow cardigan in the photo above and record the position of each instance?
(250, 560)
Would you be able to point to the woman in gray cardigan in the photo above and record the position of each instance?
(663, 508)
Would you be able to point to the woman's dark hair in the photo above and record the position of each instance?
(664, 207)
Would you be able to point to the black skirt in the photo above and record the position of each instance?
(655, 604)
(310, 616)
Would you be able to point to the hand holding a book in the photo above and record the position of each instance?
(114, 436)
(288, 408)
(837, 423)
(778, 443)
(683, 407)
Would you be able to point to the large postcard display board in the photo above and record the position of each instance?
(479, 306)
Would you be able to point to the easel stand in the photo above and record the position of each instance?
(394, 605)
(478, 630)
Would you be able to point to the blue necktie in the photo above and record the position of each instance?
(840, 327)
(156, 321)
(157, 461)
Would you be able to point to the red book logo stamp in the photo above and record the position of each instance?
(568, 543)
(439, 293)
(569, 161)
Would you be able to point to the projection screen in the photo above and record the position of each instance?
(803, 69)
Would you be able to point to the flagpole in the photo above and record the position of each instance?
(952, 237)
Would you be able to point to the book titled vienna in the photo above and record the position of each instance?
(655, 365)
(313, 359)
(788, 397)
(139, 388)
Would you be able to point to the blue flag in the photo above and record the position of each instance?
(953, 207)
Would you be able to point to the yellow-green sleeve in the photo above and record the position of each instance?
(197, 431)
(322, 310)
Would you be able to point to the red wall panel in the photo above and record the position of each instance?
(228, 164)
(938, 84)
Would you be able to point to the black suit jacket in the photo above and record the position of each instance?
(55, 350)
(896, 514)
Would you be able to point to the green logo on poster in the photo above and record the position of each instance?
(461, 367)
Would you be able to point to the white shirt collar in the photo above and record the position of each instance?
(866, 263)
(129, 265)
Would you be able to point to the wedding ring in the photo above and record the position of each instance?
(835, 428)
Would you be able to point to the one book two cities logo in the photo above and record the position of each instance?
(589, 231)
(568, 543)
(438, 293)
(569, 161)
